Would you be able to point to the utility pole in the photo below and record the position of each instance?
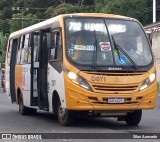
(154, 11)
(22, 10)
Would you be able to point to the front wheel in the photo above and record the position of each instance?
(133, 118)
(65, 117)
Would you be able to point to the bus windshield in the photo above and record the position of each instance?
(94, 41)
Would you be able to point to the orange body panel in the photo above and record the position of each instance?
(18, 78)
(78, 98)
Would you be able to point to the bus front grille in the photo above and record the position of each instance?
(115, 88)
(116, 74)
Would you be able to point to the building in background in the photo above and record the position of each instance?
(153, 32)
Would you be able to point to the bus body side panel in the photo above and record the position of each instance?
(26, 87)
(55, 83)
(18, 79)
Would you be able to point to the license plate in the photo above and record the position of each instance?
(116, 100)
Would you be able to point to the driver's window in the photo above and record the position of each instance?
(55, 51)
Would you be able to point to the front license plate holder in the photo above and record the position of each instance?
(116, 100)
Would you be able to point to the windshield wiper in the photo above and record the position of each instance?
(118, 48)
(95, 51)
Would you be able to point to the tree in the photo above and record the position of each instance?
(132, 8)
(100, 4)
(158, 9)
(6, 10)
(139, 9)
(3, 45)
(5, 14)
(65, 8)
(16, 22)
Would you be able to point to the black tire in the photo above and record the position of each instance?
(134, 118)
(32, 111)
(65, 117)
(23, 110)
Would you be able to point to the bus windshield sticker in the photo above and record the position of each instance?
(79, 47)
(89, 47)
(105, 46)
(122, 60)
(84, 47)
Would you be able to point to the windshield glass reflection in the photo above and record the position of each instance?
(84, 36)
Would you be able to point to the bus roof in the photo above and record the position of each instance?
(96, 15)
(54, 19)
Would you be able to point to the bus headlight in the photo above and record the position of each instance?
(152, 77)
(78, 80)
(72, 76)
(148, 81)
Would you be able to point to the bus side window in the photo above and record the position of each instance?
(25, 50)
(58, 46)
(21, 41)
(36, 46)
(56, 49)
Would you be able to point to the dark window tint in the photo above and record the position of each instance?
(36, 46)
(56, 50)
(26, 51)
(21, 41)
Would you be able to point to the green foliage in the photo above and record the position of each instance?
(16, 23)
(66, 8)
(3, 45)
(6, 13)
(158, 9)
(131, 8)
(139, 9)
(61, 9)
(100, 4)
(4, 26)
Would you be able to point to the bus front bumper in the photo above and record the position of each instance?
(80, 99)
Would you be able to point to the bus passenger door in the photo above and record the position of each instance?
(39, 67)
(35, 38)
(45, 38)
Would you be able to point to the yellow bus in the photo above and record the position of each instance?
(83, 63)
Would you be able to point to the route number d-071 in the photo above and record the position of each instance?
(98, 79)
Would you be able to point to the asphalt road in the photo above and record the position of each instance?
(43, 122)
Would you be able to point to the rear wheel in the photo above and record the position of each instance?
(133, 118)
(23, 110)
(65, 117)
(32, 111)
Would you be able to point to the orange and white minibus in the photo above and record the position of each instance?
(90, 63)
